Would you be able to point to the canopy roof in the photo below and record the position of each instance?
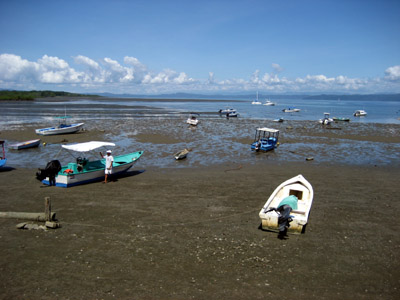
(88, 146)
(267, 129)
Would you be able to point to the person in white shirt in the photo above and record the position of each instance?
(109, 164)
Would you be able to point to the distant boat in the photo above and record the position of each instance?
(269, 103)
(338, 119)
(298, 194)
(3, 158)
(228, 112)
(360, 113)
(279, 120)
(266, 139)
(290, 110)
(256, 101)
(25, 145)
(61, 128)
(326, 120)
(181, 154)
(192, 120)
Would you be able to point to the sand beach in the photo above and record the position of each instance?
(190, 229)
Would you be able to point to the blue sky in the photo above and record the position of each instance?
(348, 46)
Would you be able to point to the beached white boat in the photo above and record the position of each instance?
(326, 120)
(85, 171)
(360, 113)
(227, 111)
(60, 129)
(270, 214)
(25, 145)
(192, 120)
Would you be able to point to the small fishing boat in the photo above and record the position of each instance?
(181, 154)
(84, 171)
(338, 119)
(298, 194)
(227, 110)
(360, 113)
(290, 110)
(192, 120)
(326, 120)
(266, 139)
(279, 120)
(3, 158)
(25, 145)
(269, 103)
(61, 128)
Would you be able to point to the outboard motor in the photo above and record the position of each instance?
(51, 170)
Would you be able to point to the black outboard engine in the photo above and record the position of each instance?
(51, 170)
(284, 218)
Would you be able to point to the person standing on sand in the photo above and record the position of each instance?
(109, 163)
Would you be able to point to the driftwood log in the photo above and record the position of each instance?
(40, 217)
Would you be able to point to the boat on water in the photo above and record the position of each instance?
(339, 119)
(228, 112)
(3, 158)
(181, 154)
(83, 170)
(360, 113)
(290, 110)
(61, 128)
(265, 139)
(269, 103)
(25, 145)
(278, 120)
(326, 120)
(288, 207)
(193, 120)
(257, 102)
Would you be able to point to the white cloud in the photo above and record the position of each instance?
(132, 76)
(393, 73)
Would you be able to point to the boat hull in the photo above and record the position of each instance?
(3, 162)
(60, 130)
(93, 171)
(25, 145)
(297, 186)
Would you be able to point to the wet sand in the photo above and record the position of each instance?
(191, 231)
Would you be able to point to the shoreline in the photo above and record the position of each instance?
(180, 233)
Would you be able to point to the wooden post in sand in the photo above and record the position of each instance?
(47, 208)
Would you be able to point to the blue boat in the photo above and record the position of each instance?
(3, 158)
(266, 139)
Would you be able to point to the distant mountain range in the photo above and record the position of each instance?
(30, 95)
(363, 97)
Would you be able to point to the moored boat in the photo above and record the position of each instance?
(25, 145)
(265, 139)
(326, 120)
(269, 103)
(288, 207)
(61, 128)
(84, 171)
(3, 158)
(193, 120)
(339, 119)
(360, 113)
(290, 110)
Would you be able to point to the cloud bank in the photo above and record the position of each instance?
(131, 76)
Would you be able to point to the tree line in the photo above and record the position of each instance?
(31, 95)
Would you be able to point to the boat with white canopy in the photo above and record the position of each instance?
(84, 170)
